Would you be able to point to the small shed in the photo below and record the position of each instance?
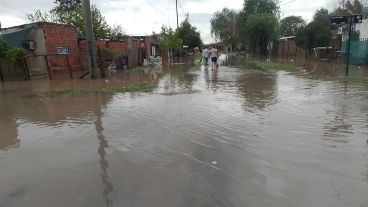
(51, 47)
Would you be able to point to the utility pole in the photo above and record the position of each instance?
(177, 15)
(90, 36)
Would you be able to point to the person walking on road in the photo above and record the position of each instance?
(206, 55)
(214, 58)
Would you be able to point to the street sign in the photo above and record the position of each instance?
(356, 19)
(340, 20)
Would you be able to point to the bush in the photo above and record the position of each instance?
(13, 55)
(110, 54)
(3, 48)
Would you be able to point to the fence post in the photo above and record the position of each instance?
(48, 67)
(25, 64)
(1, 74)
(69, 66)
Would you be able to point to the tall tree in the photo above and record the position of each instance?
(117, 32)
(349, 8)
(70, 12)
(315, 34)
(322, 16)
(290, 25)
(169, 40)
(224, 27)
(258, 16)
(189, 34)
(260, 7)
(261, 30)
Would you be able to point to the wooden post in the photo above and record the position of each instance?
(101, 63)
(26, 69)
(287, 53)
(69, 66)
(90, 36)
(1, 75)
(48, 67)
(333, 51)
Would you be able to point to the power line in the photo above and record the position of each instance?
(289, 2)
(181, 7)
(154, 7)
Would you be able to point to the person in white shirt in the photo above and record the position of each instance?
(205, 55)
(214, 57)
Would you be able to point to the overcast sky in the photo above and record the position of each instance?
(140, 17)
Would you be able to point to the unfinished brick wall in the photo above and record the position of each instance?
(61, 36)
(118, 45)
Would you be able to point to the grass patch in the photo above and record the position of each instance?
(138, 68)
(350, 79)
(273, 66)
(138, 87)
(290, 68)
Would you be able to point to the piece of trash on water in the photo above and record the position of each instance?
(214, 162)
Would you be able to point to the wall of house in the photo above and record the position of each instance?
(37, 64)
(363, 28)
(118, 45)
(61, 36)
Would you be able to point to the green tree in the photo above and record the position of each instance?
(189, 34)
(117, 32)
(260, 8)
(3, 48)
(169, 40)
(315, 34)
(350, 8)
(290, 25)
(322, 16)
(70, 12)
(224, 27)
(261, 30)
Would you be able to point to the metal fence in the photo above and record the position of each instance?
(358, 51)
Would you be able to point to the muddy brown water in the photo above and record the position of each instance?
(233, 137)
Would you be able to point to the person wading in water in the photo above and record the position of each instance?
(214, 58)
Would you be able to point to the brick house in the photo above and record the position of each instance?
(59, 43)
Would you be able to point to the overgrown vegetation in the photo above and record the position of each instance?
(273, 66)
(3, 48)
(11, 55)
(189, 34)
(290, 68)
(138, 87)
(14, 55)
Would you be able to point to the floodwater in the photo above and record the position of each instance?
(234, 137)
(329, 68)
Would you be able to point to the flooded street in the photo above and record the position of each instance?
(234, 137)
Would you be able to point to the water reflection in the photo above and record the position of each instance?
(258, 88)
(9, 132)
(104, 164)
(177, 78)
(8, 124)
(340, 126)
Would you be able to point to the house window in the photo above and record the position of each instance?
(63, 50)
